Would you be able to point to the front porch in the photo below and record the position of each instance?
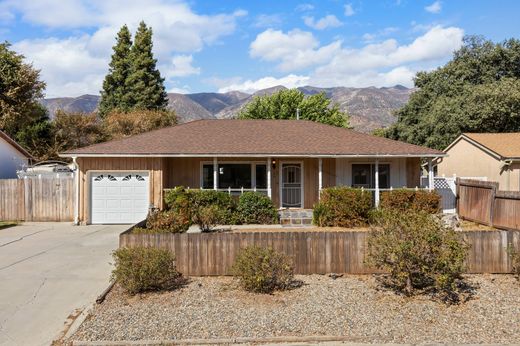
(294, 182)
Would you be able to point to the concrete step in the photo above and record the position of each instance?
(295, 217)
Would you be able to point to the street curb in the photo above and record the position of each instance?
(78, 321)
(223, 341)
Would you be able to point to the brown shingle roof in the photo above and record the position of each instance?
(15, 145)
(506, 145)
(254, 137)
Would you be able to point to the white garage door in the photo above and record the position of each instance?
(119, 197)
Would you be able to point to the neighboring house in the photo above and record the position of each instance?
(495, 156)
(288, 160)
(12, 157)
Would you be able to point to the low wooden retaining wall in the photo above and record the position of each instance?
(205, 254)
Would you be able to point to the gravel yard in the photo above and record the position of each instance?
(350, 306)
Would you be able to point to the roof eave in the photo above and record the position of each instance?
(402, 155)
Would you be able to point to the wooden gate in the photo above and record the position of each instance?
(37, 199)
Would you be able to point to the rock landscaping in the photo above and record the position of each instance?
(354, 306)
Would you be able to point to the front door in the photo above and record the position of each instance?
(292, 185)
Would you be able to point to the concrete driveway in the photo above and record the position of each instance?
(49, 271)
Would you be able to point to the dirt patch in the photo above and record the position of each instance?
(467, 225)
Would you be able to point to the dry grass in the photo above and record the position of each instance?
(467, 225)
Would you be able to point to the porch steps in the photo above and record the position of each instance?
(295, 217)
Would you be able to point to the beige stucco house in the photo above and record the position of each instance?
(495, 156)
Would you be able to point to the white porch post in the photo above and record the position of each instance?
(376, 181)
(269, 192)
(215, 173)
(320, 177)
(430, 175)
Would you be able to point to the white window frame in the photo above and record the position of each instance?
(371, 163)
(252, 164)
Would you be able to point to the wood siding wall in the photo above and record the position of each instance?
(413, 172)
(33, 199)
(154, 166)
(312, 252)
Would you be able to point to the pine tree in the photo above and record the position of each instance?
(144, 81)
(115, 93)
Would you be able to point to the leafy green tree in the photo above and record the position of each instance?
(21, 115)
(145, 84)
(21, 89)
(115, 93)
(477, 91)
(283, 105)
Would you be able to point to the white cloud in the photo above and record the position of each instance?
(180, 90)
(293, 50)
(51, 13)
(349, 10)
(176, 27)
(268, 20)
(181, 66)
(369, 37)
(379, 64)
(67, 66)
(369, 61)
(435, 7)
(250, 86)
(304, 7)
(329, 21)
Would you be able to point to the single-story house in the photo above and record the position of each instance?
(495, 156)
(288, 160)
(13, 157)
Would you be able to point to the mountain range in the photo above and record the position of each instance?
(370, 108)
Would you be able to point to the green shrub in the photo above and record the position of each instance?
(166, 222)
(256, 208)
(342, 207)
(210, 207)
(208, 216)
(417, 251)
(180, 200)
(403, 199)
(141, 269)
(263, 270)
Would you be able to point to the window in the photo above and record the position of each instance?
(261, 176)
(207, 176)
(235, 176)
(363, 176)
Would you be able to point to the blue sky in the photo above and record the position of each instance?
(251, 45)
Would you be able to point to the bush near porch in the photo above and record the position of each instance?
(352, 207)
(208, 208)
(417, 200)
(342, 207)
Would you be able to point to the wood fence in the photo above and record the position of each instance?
(482, 202)
(37, 199)
(322, 252)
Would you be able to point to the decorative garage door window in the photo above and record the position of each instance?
(119, 197)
